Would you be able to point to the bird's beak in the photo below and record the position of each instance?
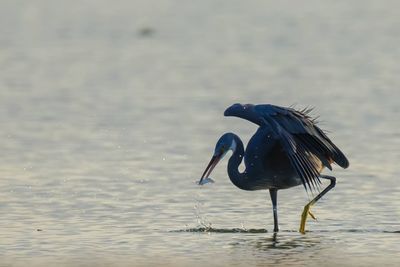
(213, 162)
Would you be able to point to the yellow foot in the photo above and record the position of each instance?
(304, 215)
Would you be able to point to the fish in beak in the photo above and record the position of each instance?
(210, 167)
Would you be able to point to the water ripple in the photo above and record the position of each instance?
(262, 231)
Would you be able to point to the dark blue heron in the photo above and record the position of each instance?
(287, 150)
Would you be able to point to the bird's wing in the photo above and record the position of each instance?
(302, 140)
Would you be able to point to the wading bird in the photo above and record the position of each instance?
(287, 150)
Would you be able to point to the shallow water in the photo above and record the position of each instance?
(109, 114)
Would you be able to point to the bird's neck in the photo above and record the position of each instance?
(237, 178)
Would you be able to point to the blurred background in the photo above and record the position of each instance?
(110, 110)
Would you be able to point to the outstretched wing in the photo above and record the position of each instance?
(302, 140)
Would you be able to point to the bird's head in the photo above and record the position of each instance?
(225, 143)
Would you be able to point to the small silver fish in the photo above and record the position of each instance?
(206, 181)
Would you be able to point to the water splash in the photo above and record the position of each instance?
(202, 221)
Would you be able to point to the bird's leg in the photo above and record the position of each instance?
(273, 193)
(307, 207)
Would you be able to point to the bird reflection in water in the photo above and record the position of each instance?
(282, 240)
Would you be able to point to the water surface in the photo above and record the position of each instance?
(109, 113)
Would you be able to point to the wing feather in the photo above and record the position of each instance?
(305, 144)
